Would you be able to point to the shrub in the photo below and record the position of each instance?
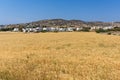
(109, 33)
(86, 29)
(101, 31)
(6, 29)
(56, 31)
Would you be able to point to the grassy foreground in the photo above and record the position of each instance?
(59, 56)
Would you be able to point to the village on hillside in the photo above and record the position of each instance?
(60, 25)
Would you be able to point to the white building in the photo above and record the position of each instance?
(62, 29)
(107, 27)
(16, 29)
(52, 29)
(70, 29)
(79, 28)
(45, 29)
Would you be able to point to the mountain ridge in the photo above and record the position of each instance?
(65, 23)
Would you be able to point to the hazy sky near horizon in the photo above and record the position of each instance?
(20, 11)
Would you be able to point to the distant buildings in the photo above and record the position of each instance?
(61, 29)
(16, 30)
(59, 26)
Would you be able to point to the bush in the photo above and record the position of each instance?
(109, 33)
(6, 29)
(101, 31)
(86, 29)
(56, 31)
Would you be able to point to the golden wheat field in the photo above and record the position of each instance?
(59, 56)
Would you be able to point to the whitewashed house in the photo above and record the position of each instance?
(16, 29)
(98, 27)
(70, 29)
(35, 30)
(61, 29)
(79, 28)
(38, 29)
(24, 30)
(92, 28)
(107, 28)
(30, 29)
(45, 29)
(52, 29)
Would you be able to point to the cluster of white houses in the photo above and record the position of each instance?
(48, 29)
(61, 29)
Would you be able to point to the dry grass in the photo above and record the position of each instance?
(59, 56)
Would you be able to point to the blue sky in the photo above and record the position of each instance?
(20, 11)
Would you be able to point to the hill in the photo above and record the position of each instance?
(59, 22)
(64, 23)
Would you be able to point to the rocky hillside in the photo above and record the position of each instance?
(60, 23)
(64, 23)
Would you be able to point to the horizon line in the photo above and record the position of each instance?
(59, 18)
